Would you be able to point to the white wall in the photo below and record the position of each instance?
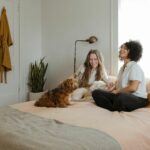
(24, 18)
(9, 91)
(30, 40)
(49, 28)
(68, 20)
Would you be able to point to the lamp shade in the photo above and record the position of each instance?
(92, 39)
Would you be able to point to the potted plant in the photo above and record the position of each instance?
(37, 79)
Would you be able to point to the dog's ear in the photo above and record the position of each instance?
(69, 83)
(63, 84)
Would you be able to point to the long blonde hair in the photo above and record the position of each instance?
(99, 71)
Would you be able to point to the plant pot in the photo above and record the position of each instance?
(36, 96)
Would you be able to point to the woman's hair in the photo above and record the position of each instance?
(135, 50)
(88, 68)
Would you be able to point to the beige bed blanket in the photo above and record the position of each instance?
(24, 131)
(130, 129)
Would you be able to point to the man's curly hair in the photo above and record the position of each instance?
(135, 50)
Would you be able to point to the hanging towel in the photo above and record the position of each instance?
(5, 42)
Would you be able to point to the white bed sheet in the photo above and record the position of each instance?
(130, 129)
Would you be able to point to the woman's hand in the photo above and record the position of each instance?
(132, 87)
(115, 91)
(111, 86)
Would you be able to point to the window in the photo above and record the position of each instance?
(134, 24)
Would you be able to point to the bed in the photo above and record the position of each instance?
(81, 126)
(129, 129)
(25, 131)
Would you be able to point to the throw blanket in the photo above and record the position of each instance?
(24, 131)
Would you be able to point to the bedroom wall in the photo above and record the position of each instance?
(30, 40)
(68, 20)
(9, 91)
(24, 18)
(49, 28)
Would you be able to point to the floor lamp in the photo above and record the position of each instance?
(90, 40)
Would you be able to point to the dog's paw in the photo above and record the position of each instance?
(62, 105)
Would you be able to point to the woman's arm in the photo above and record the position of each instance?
(132, 87)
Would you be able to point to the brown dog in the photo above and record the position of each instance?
(58, 97)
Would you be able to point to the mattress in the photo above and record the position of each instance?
(129, 129)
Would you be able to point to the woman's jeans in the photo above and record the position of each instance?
(118, 102)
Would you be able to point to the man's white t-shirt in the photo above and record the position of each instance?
(132, 72)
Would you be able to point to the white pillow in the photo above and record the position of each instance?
(79, 93)
(98, 85)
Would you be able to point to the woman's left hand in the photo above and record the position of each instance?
(115, 91)
(110, 86)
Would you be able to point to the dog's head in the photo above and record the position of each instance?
(69, 84)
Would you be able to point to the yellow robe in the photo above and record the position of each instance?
(5, 42)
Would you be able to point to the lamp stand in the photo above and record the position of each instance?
(75, 53)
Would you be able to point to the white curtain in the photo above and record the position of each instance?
(134, 24)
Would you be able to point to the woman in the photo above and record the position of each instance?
(130, 91)
(92, 70)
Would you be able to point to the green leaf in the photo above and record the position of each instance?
(37, 75)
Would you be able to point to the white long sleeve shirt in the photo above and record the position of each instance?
(92, 77)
